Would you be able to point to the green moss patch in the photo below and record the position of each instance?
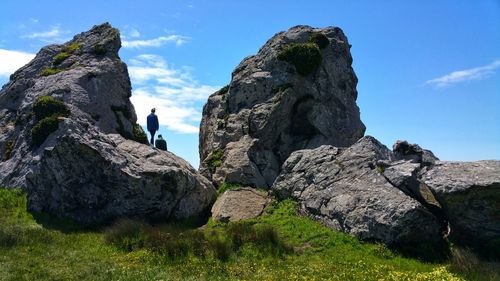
(215, 159)
(59, 58)
(50, 71)
(47, 111)
(99, 49)
(43, 129)
(305, 57)
(45, 106)
(319, 39)
(139, 135)
(9, 146)
(227, 186)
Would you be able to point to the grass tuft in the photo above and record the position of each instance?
(306, 57)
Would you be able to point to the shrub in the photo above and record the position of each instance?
(305, 57)
(227, 186)
(223, 90)
(57, 59)
(215, 159)
(43, 129)
(72, 47)
(126, 234)
(46, 106)
(99, 49)
(319, 39)
(9, 146)
(50, 71)
(139, 135)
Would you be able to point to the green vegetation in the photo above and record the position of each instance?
(319, 39)
(72, 47)
(57, 59)
(227, 186)
(99, 49)
(223, 90)
(306, 57)
(257, 249)
(43, 129)
(281, 88)
(9, 146)
(139, 135)
(46, 106)
(215, 159)
(50, 71)
(47, 111)
(380, 169)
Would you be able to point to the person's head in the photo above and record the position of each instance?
(160, 137)
(153, 110)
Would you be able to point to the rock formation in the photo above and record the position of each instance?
(298, 91)
(239, 204)
(470, 195)
(68, 136)
(400, 197)
(346, 190)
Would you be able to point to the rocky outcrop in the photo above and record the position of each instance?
(239, 204)
(298, 91)
(345, 189)
(470, 195)
(68, 136)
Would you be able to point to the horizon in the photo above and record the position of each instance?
(432, 78)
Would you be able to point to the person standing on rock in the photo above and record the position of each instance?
(153, 125)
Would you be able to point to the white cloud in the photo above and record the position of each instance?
(134, 33)
(54, 34)
(175, 94)
(156, 42)
(476, 73)
(10, 61)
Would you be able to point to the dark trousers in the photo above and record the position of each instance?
(153, 132)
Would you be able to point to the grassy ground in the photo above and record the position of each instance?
(41, 249)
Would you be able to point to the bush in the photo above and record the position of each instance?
(72, 47)
(46, 106)
(227, 186)
(99, 49)
(43, 129)
(59, 58)
(126, 234)
(319, 39)
(9, 146)
(215, 159)
(50, 71)
(139, 135)
(305, 57)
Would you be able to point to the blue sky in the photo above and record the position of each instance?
(429, 71)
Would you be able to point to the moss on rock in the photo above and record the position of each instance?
(306, 57)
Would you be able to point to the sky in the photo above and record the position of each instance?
(429, 71)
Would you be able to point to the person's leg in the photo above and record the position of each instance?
(152, 137)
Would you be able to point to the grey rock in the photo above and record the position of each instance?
(87, 169)
(343, 189)
(413, 152)
(269, 110)
(470, 195)
(239, 204)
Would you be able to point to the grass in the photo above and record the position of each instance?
(215, 159)
(47, 111)
(305, 57)
(50, 71)
(227, 186)
(30, 250)
(59, 58)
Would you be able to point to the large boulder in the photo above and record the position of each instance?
(345, 189)
(298, 91)
(68, 135)
(470, 195)
(240, 204)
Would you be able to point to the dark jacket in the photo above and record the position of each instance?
(153, 124)
(161, 144)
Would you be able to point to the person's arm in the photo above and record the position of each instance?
(157, 123)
